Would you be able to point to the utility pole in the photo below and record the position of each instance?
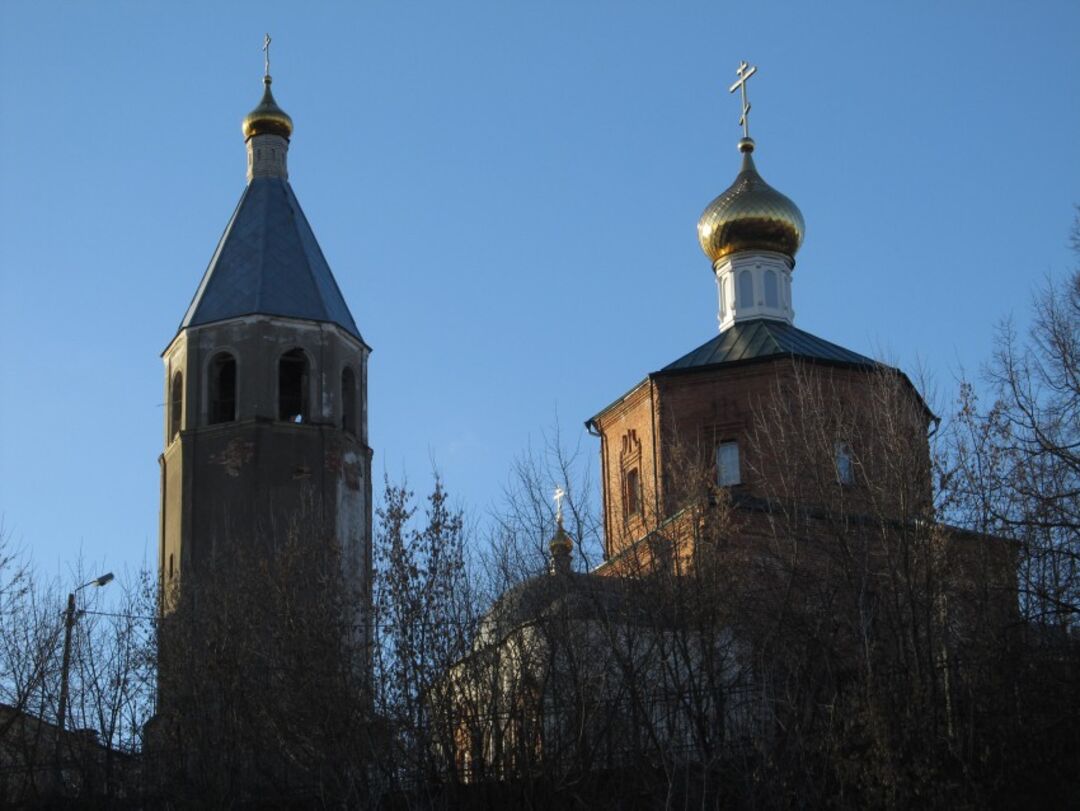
(69, 622)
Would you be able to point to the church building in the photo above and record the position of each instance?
(766, 500)
(711, 409)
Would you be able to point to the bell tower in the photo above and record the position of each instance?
(265, 390)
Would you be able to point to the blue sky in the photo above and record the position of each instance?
(507, 194)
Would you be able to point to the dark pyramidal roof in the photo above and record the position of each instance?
(763, 338)
(268, 262)
(757, 340)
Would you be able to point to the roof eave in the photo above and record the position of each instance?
(831, 362)
(614, 403)
(727, 364)
(355, 336)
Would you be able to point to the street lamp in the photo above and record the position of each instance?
(69, 623)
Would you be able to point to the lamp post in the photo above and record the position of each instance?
(69, 623)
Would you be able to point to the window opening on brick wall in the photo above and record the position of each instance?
(632, 492)
(727, 464)
(222, 388)
(630, 463)
(176, 404)
(845, 464)
(348, 401)
(293, 386)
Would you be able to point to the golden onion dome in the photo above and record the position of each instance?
(561, 542)
(267, 118)
(750, 216)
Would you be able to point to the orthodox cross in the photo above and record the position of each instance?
(266, 50)
(744, 72)
(560, 494)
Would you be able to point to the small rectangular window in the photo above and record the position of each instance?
(632, 495)
(727, 464)
(845, 464)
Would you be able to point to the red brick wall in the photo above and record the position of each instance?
(786, 418)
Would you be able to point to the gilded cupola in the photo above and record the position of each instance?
(751, 233)
(750, 216)
(267, 130)
(562, 545)
(267, 118)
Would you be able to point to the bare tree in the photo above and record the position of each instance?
(603, 689)
(264, 686)
(424, 619)
(1012, 469)
(31, 633)
(1018, 463)
(522, 524)
(111, 687)
(110, 683)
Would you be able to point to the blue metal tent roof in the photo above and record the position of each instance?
(268, 262)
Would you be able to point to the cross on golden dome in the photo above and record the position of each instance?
(560, 494)
(744, 72)
(267, 118)
(750, 216)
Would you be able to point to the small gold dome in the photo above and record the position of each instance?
(561, 542)
(750, 216)
(267, 118)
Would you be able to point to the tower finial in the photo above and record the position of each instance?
(744, 72)
(560, 494)
(267, 158)
(561, 545)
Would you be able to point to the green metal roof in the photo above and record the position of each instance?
(764, 338)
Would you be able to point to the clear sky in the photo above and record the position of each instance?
(507, 193)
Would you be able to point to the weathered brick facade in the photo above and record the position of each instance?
(672, 423)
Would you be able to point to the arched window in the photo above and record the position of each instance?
(176, 404)
(772, 289)
(363, 400)
(746, 289)
(293, 386)
(348, 401)
(222, 388)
